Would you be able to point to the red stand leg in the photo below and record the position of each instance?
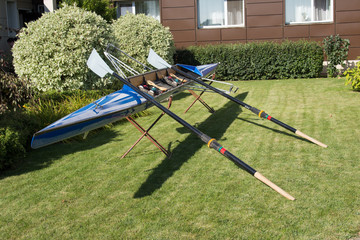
(198, 98)
(145, 133)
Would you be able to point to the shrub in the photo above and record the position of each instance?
(260, 60)
(52, 51)
(10, 147)
(136, 34)
(6, 62)
(48, 107)
(353, 77)
(14, 92)
(16, 129)
(337, 50)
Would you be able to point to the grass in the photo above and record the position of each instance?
(82, 190)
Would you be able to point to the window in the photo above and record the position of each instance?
(147, 7)
(220, 13)
(307, 11)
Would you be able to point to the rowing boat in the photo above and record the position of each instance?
(139, 92)
(160, 84)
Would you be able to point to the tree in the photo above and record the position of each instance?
(101, 7)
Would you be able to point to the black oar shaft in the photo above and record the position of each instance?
(212, 143)
(263, 114)
(258, 112)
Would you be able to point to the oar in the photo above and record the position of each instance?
(98, 65)
(158, 62)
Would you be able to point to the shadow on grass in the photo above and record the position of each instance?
(181, 95)
(274, 130)
(214, 126)
(44, 157)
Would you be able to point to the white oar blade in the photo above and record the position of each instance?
(98, 65)
(156, 60)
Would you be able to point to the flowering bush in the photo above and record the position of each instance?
(136, 34)
(52, 51)
(353, 77)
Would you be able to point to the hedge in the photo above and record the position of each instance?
(258, 60)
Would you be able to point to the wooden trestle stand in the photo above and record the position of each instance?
(198, 98)
(145, 133)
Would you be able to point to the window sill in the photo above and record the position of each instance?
(216, 27)
(309, 23)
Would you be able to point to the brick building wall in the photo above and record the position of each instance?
(264, 21)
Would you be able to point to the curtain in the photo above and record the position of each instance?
(234, 12)
(322, 10)
(211, 12)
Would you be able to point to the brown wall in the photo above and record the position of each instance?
(264, 21)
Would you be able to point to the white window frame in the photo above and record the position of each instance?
(133, 9)
(226, 19)
(313, 15)
(132, 6)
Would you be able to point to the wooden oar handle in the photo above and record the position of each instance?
(151, 83)
(263, 179)
(181, 79)
(310, 139)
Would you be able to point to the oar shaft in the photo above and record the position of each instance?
(215, 145)
(263, 114)
(212, 143)
(256, 111)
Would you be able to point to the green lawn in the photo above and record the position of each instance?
(83, 190)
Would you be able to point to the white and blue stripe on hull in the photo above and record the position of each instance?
(108, 109)
(105, 110)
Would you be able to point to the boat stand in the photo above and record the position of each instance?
(198, 98)
(145, 133)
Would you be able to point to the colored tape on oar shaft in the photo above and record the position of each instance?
(268, 117)
(211, 140)
(260, 113)
(222, 150)
(217, 146)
